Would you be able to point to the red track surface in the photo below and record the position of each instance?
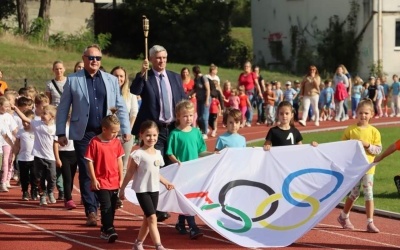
(26, 225)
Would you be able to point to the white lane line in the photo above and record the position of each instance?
(358, 238)
(48, 232)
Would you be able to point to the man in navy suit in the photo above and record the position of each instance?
(160, 94)
(90, 93)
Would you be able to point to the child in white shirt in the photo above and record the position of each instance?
(44, 165)
(23, 147)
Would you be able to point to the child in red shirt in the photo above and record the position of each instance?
(215, 109)
(244, 103)
(227, 93)
(104, 156)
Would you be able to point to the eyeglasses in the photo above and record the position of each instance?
(91, 58)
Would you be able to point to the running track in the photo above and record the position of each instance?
(26, 225)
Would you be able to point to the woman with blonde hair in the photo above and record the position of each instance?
(132, 106)
(309, 90)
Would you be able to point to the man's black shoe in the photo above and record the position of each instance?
(162, 216)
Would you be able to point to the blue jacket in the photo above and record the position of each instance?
(76, 95)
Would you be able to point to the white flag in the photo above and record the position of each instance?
(258, 198)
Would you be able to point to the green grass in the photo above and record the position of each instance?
(385, 192)
(20, 60)
(244, 35)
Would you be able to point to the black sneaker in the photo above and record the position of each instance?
(397, 182)
(60, 196)
(34, 195)
(181, 228)
(25, 196)
(110, 235)
(195, 233)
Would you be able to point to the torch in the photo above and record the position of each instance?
(146, 33)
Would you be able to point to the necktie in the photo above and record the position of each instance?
(165, 98)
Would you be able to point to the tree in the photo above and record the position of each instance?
(191, 30)
(22, 14)
(44, 13)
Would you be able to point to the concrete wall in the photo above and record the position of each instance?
(68, 16)
(271, 18)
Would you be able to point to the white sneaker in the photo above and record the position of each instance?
(3, 187)
(313, 118)
(205, 137)
(385, 115)
(248, 124)
(392, 115)
(213, 133)
(43, 201)
(8, 185)
(52, 199)
(302, 123)
(398, 115)
(346, 117)
(337, 119)
(317, 124)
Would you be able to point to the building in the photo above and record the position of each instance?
(69, 16)
(378, 21)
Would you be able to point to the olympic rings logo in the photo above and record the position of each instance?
(272, 201)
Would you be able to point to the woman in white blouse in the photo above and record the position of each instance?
(131, 102)
(54, 87)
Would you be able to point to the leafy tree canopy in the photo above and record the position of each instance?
(7, 8)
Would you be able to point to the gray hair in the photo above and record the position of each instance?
(156, 49)
(92, 46)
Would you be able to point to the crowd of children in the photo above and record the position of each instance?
(28, 131)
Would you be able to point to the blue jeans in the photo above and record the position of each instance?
(258, 103)
(88, 197)
(354, 104)
(203, 113)
(249, 113)
(345, 107)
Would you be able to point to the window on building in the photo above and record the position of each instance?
(397, 42)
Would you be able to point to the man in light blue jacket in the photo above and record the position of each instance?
(90, 93)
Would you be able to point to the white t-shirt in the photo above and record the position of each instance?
(18, 120)
(9, 125)
(147, 177)
(44, 137)
(132, 105)
(3, 131)
(55, 96)
(70, 144)
(215, 78)
(26, 140)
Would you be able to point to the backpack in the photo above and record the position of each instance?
(340, 92)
